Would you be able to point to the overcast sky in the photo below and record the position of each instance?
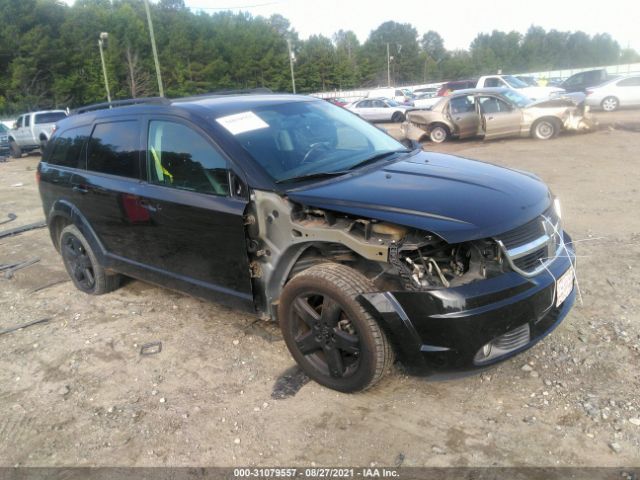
(457, 21)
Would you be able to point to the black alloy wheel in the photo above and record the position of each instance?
(333, 338)
(82, 266)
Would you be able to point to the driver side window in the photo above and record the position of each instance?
(493, 105)
(179, 157)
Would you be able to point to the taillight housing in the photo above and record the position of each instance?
(37, 175)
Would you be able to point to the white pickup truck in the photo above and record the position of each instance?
(33, 130)
(509, 81)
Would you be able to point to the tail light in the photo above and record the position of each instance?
(37, 176)
(588, 92)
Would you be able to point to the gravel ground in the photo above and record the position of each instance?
(76, 391)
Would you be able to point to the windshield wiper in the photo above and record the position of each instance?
(376, 157)
(311, 176)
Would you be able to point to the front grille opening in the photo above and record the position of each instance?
(504, 344)
(532, 260)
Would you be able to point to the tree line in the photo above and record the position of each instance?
(49, 53)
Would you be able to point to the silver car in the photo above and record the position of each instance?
(619, 92)
(379, 110)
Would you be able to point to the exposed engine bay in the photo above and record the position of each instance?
(286, 238)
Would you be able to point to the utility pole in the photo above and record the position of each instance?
(292, 59)
(153, 47)
(388, 67)
(101, 40)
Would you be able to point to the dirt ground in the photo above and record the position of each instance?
(76, 391)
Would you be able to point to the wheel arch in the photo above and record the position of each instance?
(438, 123)
(63, 213)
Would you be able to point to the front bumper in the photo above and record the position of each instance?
(445, 330)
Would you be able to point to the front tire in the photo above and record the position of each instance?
(438, 134)
(610, 104)
(16, 151)
(82, 265)
(545, 129)
(333, 338)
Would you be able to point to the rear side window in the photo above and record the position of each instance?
(69, 146)
(630, 82)
(27, 120)
(114, 148)
(181, 158)
(51, 117)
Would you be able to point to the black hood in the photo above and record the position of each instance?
(456, 198)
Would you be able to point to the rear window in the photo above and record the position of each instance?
(51, 117)
(114, 148)
(68, 148)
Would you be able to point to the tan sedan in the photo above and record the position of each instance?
(494, 113)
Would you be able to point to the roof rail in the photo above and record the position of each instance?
(122, 103)
(220, 93)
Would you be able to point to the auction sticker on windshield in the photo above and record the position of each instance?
(242, 122)
(564, 285)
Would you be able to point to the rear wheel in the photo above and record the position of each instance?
(331, 336)
(438, 134)
(397, 117)
(82, 265)
(16, 151)
(609, 104)
(545, 128)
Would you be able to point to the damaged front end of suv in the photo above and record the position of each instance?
(446, 306)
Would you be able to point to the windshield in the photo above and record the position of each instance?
(50, 117)
(514, 82)
(306, 138)
(517, 98)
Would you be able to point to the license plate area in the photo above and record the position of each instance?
(564, 286)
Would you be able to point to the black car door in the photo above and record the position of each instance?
(189, 227)
(112, 175)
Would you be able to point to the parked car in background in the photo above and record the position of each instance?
(299, 212)
(579, 82)
(619, 92)
(511, 82)
(426, 92)
(449, 87)
(4, 141)
(529, 80)
(341, 102)
(494, 113)
(399, 95)
(33, 130)
(379, 110)
(425, 101)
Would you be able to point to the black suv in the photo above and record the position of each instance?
(298, 210)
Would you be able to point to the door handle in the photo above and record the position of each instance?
(148, 206)
(80, 189)
(490, 118)
(458, 118)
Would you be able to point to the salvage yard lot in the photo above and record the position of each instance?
(76, 391)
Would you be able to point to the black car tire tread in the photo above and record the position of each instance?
(344, 284)
(397, 117)
(104, 282)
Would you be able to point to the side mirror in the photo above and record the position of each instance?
(15, 125)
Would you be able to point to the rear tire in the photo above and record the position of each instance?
(610, 104)
(82, 265)
(545, 129)
(438, 134)
(397, 117)
(333, 338)
(16, 151)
